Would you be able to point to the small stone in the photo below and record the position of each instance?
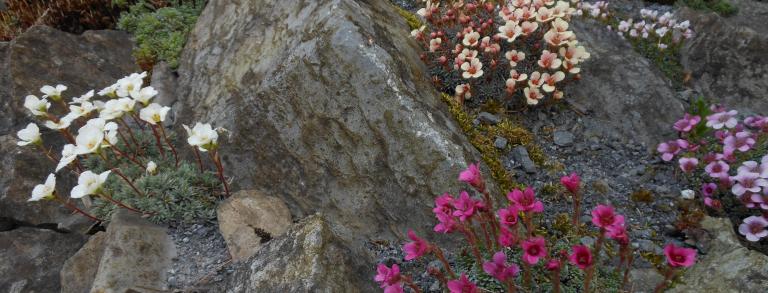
(500, 142)
(435, 287)
(586, 240)
(563, 138)
(649, 246)
(185, 240)
(595, 147)
(250, 218)
(521, 156)
(488, 118)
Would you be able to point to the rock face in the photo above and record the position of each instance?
(249, 218)
(728, 266)
(728, 61)
(78, 271)
(624, 94)
(308, 258)
(41, 56)
(30, 259)
(136, 256)
(329, 108)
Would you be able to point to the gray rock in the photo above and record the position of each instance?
(30, 259)
(249, 218)
(521, 156)
(500, 142)
(587, 240)
(563, 138)
(727, 61)
(78, 271)
(727, 263)
(488, 118)
(649, 246)
(621, 98)
(165, 81)
(137, 255)
(644, 280)
(310, 257)
(328, 109)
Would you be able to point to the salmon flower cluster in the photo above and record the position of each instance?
(108, 128)
(726, 156)
(520, 48)
(507, 245)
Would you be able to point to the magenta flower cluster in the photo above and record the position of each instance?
(729, 156)
(511, 227)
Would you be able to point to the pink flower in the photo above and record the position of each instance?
(499, 268)
(687, 123)
(506, 238)
(717, 169)
(466, 206)
(754, 228)
(388, 276)
(444, 204)
(525, 201)
(571, 182)
(741, 141)
(748, 182)
(534, 249)
(508, 216)
(688, 164)
(417, 248)
(712, 203)
(581, 256)
(472, 177)
(618, 233)
(679, 256)
(753, 167)
(394, 289)
(553, 265)
(720, 119)
(708, 189)
(604, 216)
(671, 148)
(462, 285)
(447, 223)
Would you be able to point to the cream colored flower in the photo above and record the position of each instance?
(38, 107)
(144, 95)
(154, 113)
(68, 154)
(89, 183)
(44, 191)
(532, 95)
(54, 93)
(472, 69)
(471, 39)
(202, 136)
(29, 135)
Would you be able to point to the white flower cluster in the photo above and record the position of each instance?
(663, 29)
(99, 128)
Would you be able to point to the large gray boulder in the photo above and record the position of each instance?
(308, 258)
(727, 60)
(624, 94)
(728, 266)
(328, 108)
(30, 259)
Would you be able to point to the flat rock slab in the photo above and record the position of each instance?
(137, 254)
(249, 218)
(30, 259)
(78, 271)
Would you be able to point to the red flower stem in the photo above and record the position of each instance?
(441, 257)
(488, 243)
(595, 260)
(199, 161)
(122, 154)
(667, 277)
(130, 132)
(117, 171)
(472, 236)
(77, 210)
(122, 137)
(435, 272)
(413, 286)
(47, 153)
(139, 122)
(117, 202)
(528, 220)
(556, 281)
(527, 276)
(168, 142)
(220, 169)
(491, 216)
(157, 140)
(624, 282)
(576, 212)
(511, 288)
(68, 136)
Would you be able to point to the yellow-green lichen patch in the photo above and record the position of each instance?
(413, 21)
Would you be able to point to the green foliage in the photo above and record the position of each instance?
(160, 32)
(722, 7)
(180, 194)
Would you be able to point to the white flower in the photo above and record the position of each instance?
(29, 135)
(434, 44)
(89, 139)
(89, 183)
(110, 128)
(151, 167)
(687, 194)
(68, 154)
(45, 190)
(109, 91)
(471, 39)
(202, 136)
(84, 98)
(85, 108)
(144, 95)
(662, 31)
(38, 107)
(472, 69)
(128, 84)
(116, 108)
(154, 113)
(63, 123)
(53, 92)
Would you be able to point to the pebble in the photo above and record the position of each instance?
(500, 142)
(563, 138)
(522, 157)
(488, 118)
(587, 240)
